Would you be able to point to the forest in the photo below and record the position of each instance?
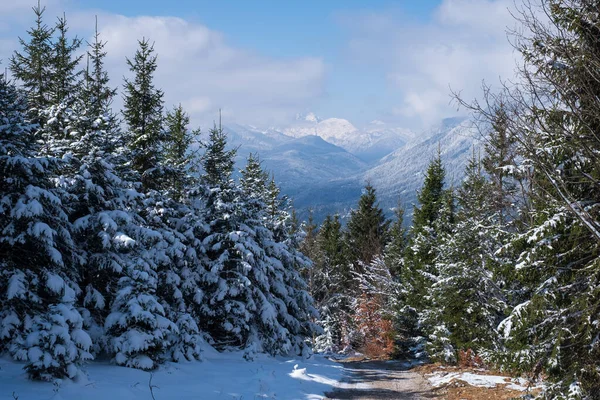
(124, 236)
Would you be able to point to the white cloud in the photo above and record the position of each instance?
(199, 69)
(464, 44)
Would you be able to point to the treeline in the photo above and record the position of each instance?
(114, 241)
(504, 268)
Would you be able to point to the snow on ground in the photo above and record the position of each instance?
(441, 378)
(218, 376)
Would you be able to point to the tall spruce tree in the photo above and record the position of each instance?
(466, 298)
(227, 309)
(284, 307)
(430, 218)
(177, 159)
(39, 323)
(367, 230)
(143, 113)
(396, 247)
(96, 93)
(65, 82)
(331, 285)
(33, 66)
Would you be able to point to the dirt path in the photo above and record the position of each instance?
(370, 380)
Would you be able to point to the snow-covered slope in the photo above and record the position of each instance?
(327, 172)
(401, 173)
(219, 376)
(398, 175)
(369, 144)
(307, 160)
(296, 163)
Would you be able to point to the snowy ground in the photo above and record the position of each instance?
(441, 378)
(219, 376)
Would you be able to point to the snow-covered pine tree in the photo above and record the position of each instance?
(139, 333)
(169, 212)
(555, 119)
(32, 66)
(96, 93)
(65, 81)
(143, 113)
(122, 257)
(396, 247)
(228, 307)
(418, 273)
(431, 219)
(39, 322)
(467, 302)
(267, 334)
(331, 278)
(270, 226)
(367, 230)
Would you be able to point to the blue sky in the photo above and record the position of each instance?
(264, 61)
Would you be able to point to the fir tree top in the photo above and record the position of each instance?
(32, 65)
(431, 195)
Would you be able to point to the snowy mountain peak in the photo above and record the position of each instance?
(335, 128)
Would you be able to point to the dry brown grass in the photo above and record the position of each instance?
(460, 390)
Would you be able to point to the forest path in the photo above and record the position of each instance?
(370, 380)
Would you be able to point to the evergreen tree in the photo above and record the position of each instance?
(96, 93)
(429, 221)
(228, 307)
(37, 256)
(498, 162)
(367, 231)
(285, 307)
(331, 283)
(33, 66)
(554, 331)
(177, 158)
(396, 247)
(467, 302)
(65, 81)
(143, 108)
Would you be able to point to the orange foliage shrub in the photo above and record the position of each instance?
(377, 331)
(468, 359)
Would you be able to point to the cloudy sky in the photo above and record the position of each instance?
(264, 61)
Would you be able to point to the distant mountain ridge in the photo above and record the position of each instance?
(368, 144)
(323, 164)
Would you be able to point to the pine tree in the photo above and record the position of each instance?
(498, 162)
(367, 231)
(429, 221)
(431, 196)
(228, 307)
(143, 109)
(177, 159)
(33, 67)
(39, 281)
(331, 283)
(96, 94)
(467, 302)
(138, 330)
(396, 247)
(554, 120)
(65, 81)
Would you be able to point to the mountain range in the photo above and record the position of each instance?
(324, 164)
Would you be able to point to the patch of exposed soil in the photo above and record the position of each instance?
(460, 390)
(369, 380)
